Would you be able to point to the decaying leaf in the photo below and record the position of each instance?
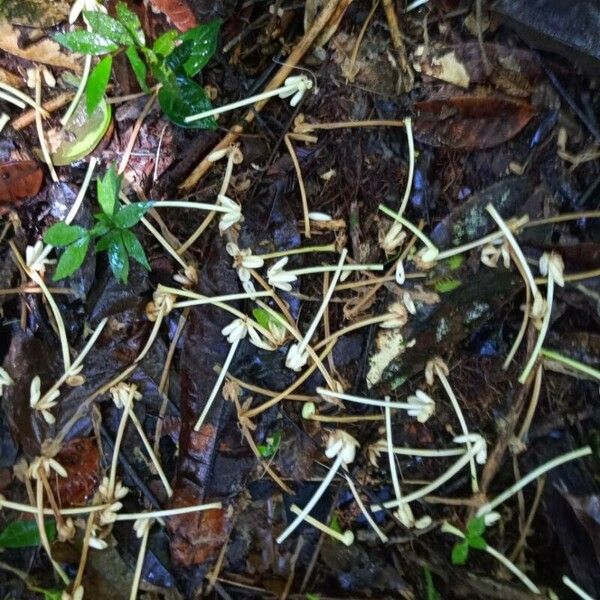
(19, 180)
(470, 122)
(35, 13)
(177, 12)
(44, 51)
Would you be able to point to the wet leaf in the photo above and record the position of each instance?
(97, 83)
(72, 258)
(181, 97)
(470, 122)
(477, 542)
(19, 180)
(131, 22)
(61, 234)
(118, 259)
(108, 191)
(82, 134)
(197, 47)
(470, 220)
(85, 42)
(107, 27)
(165, 44)
(135, 249)
(81, 459)
(138, 66)
(128, 216)
(177, 12)
(24, 534)
(460, 553)
(35, 13)
(476, 527)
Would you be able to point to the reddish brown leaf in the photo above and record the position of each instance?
(470, 122)
(19, 180)
(177, 12)
(81, 459)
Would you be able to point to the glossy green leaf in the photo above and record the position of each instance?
(107, 239)
(165, 44)
(61, 234)
(83, 133)
(108, 191)
(130, 21)
(85, 42)
(128, 216)
(72, 258)
(97, 83)
(118, 259)
(197, 48)
(476, 526)
(460, 553)
(138, 65)
(109, 28)
(135, 249)
(181, 97)
(23, 534)
(264, 318)
(100, 229)
(477, 542)
(335, 524)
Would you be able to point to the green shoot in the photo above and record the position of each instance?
(111, 233)
(269, 450)
(432, 593)
(473, 539)
(172, 61)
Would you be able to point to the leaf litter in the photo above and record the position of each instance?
(277, 342)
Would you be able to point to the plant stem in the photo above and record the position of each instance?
(87, 65)
(115, 457)
(301, 250)
(336, 535)
(39, 127)
(424, 452)
(569, 362)
(384, 538)
(411, 164)
(333, 269)
(410, 226)
(368, 401)
(190, 205)
(579, 591)
(171, 512)
(139, 564)
(547, 466)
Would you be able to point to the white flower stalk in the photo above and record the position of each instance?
(420, 405)
(45, 464)
(232, 215)
(297, 355)
(408, 303)
(5, 380)
(535, 474)
(477, 448)
(404, 512)
(380, 446)
(552, 265)
(340, 445)
(295, 86)
(578, 590)
(448, 528)
(309, 412)
(439, 368)
(142, 531)
(430, 252)
(384, 538)
(243, 261)
(346, 538)
(35, 257)
(45, 405)
(278, 278)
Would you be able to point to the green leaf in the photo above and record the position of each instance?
(135, 249)
(165, 44)
(446, 284)
(130, 21)
(61, 234)
(72, 258)
(476, 526)
(181, 97)
(477, 542)
(432, 593)
(108, 191)
(100, 229)
(108, 28)
(97, 83)
(313, 597)
(118, 259)
(197, 48)
(128, 216)
(269, 449)
(138, 65)
(460, 553)
(23, 534)
(264, 318)
(335, 524)
(85, 42)
(52, 594)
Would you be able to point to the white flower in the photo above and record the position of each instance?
(428, 254)
(47, 464)
(243, 261)
(97, 543)
(296, 359)
(479, 445)
(397, 316)
(278, 278)
(257, 340)
(491, 518)
(233, 214)
(109, 514)
(300, 84)
(35, 258)
(319, 216)
(119, 493)
(490, 255)
(43, 405)
(393, 238)
(400, 275)
(235, 331)
(5, 380)
(427, 406)
(552, 265)
(187, 277)
(340, 442)
(141, 526)
(249, 288)
(122, 392)
(80, 5)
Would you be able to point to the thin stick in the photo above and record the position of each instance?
(40, 128)
(27, 118)
(305, 209)
(87, 65)
(139, 564)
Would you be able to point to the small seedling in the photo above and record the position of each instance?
(269, 450)
(173, 60)
(473, 539)
(112, 232)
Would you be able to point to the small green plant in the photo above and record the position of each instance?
(25, 534)
(269, 449)
(473, 539)
(432, 593)
(112, 232)
(173, 60)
